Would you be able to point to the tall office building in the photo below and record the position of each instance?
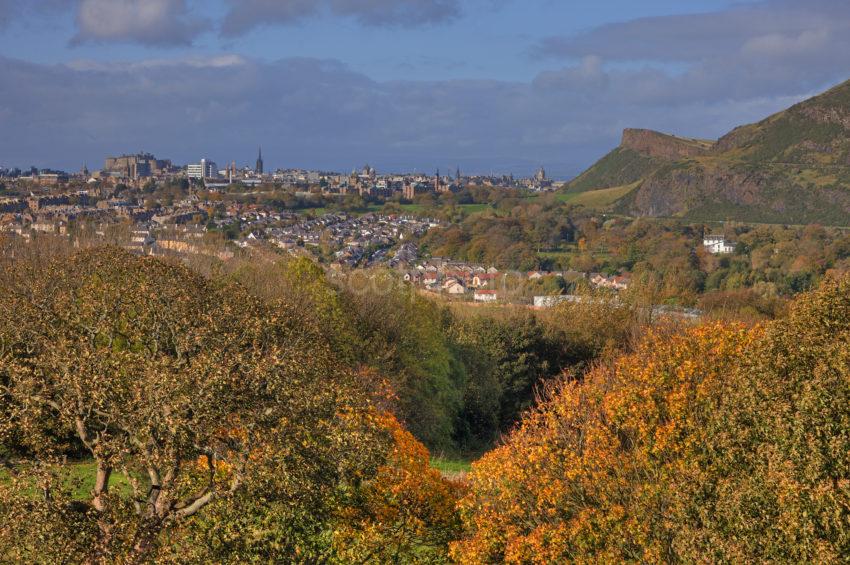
(203, 170)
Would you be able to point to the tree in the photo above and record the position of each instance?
(405, 514)
(770, 483)
(588, 476)
(518, 359)
(192, 391)
(404, 338)
(718, 444)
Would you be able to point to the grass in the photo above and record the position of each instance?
(78, 477)
(451, 468)
(474, 208)
(597, 198)
(620, 167)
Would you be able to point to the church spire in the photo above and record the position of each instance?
(259, 167)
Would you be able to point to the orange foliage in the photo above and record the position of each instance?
(587, 477)
(407, 508)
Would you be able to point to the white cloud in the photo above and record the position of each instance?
(150, 22)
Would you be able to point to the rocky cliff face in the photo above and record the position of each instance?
(663, 146)
(791, 167)
(730, 194)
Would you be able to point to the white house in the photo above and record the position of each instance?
(551, 301)
(454, 287)
(486, 296)
(718, 245)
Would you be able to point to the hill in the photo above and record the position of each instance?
(792, 167)
(640, 153)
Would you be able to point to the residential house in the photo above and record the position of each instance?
(486, 296)
(454, 287)
(618, 282)
(430, 278)
(413, 277)
(718, 245)
(485, 280)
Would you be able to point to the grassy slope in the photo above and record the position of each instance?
(598, 199)
(620, 167)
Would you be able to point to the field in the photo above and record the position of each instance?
(597, 198)
(78, 478)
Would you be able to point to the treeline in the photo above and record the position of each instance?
(509, 235)
(665, 257)
(460, 377)
(259, 412)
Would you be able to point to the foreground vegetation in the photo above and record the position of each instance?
(720, 444)
(239, 431)
(263, 412)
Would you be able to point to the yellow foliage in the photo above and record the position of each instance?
(586, 477)
(407, 511)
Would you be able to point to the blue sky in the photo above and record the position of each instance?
(490, 85)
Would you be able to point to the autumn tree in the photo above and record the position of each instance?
(405, 514)
(718, 444)
(587, 476)
(771, 483)
(194, 392)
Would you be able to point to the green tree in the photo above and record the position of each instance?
(200, 396)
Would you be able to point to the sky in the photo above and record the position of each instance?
(490, 86)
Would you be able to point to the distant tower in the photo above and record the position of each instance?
(541, 175)
(259, 168)
(457, 173)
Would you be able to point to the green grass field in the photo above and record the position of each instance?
(451, 467)
(474, 208)
(78, 477)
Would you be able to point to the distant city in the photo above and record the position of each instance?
(138, 169)
(150, 205)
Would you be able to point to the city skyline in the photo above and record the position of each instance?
(497, 86)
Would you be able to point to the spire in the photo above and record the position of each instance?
(259, 168)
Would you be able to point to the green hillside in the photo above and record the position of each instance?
(599, 199)
(791, 167)
(620, 167)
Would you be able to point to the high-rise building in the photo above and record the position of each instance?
(203, 170)
(259, 168)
